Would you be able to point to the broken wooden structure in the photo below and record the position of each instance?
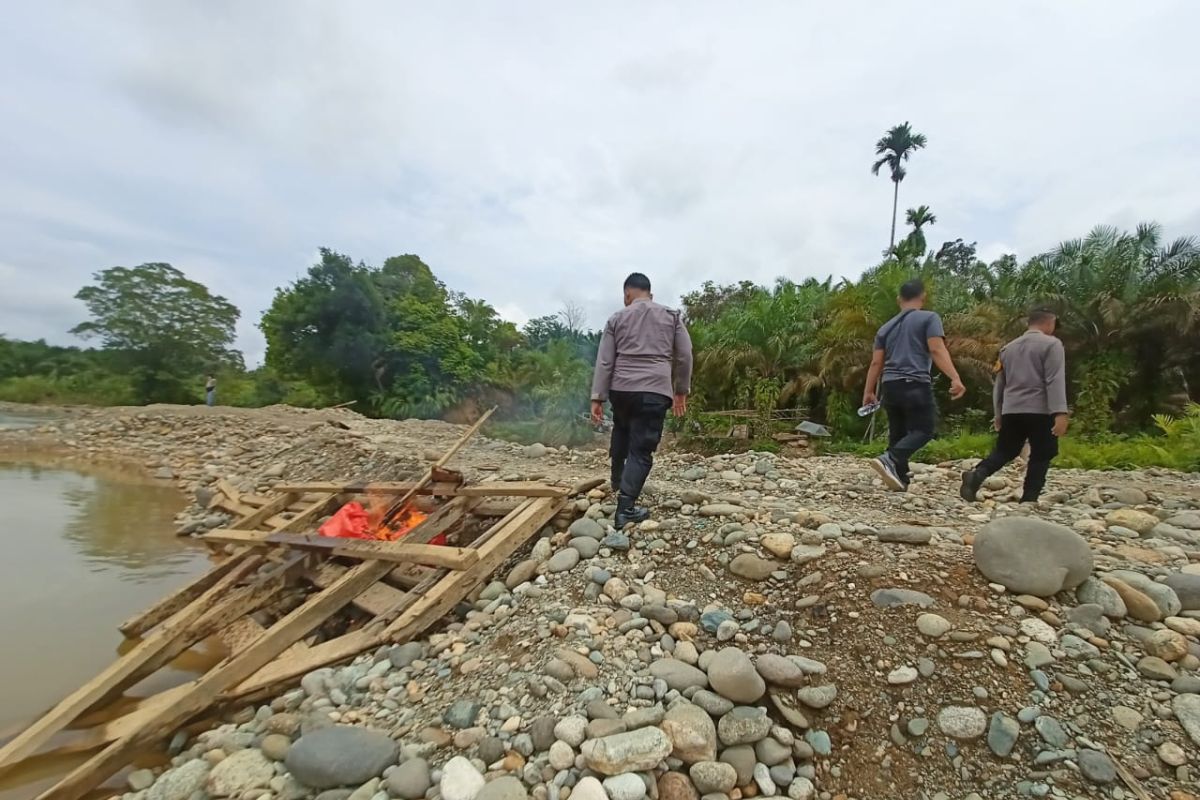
(284, 601)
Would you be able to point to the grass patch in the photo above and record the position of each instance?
(1123, 452)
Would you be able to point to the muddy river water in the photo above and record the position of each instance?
(82, 552)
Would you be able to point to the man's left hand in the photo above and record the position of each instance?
(597, 412)
(679, 407)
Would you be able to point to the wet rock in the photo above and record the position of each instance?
(1032, 556)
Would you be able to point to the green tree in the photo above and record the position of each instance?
(164, 328)
(918, 218)
(896, 147)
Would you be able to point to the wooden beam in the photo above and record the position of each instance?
(281, 502)
(512, 489)
(160, 611)
(374, 599)
(203, 691)
(396, 552)
(441, 488)
(496, 544)
(437, 465)
(118, 673)
(308, 515)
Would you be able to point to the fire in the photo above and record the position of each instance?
(402, 523)
(353, 521)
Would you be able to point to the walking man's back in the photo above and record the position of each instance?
(644, 367)
(1030, 400)
(906, 348)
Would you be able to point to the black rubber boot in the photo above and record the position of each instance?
(971, 483)
(627, 512)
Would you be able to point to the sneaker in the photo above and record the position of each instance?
(971, 483)
(887, 471)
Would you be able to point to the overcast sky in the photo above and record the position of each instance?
(533, 153)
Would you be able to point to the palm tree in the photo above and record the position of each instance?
(896, 147)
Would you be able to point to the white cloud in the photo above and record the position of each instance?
(536, 153)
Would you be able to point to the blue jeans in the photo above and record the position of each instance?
(911, 415)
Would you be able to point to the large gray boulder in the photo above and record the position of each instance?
(1032, 556)
(340, 755)
(731, 674)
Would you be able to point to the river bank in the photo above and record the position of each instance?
(780, 627)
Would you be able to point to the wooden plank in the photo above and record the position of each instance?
(309, 514)
(513, 489)
(121, 671)
(396, 552)
(504, 541)
(437, 465)
(160, 611)
(496, 544)
(204, 690)
(224, 487)
(441, 488)
(374, 599)
(281, 501)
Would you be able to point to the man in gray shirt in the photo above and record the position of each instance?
(644, 367)
(906, 347)
(1030, 399)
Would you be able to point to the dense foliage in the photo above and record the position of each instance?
(396, 341)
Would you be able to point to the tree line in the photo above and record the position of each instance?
(397, 342)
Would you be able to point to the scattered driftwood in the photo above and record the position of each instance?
(285, 602)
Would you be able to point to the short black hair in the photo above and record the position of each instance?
(1040, 316)
(637, 280)
(912, 289)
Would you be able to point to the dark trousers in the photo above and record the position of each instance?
(1015, 431)
(637, 429)
(911, 416)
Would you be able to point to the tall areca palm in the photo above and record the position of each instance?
(896, 147)
(918, 218)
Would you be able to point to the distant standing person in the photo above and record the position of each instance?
(1030, 399)
(905, 348)
(644, 367)
(210, 390)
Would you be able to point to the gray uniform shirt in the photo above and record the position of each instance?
(904, 340)
(645, 348)
(1032, 378)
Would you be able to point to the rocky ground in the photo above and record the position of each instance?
(779, 628)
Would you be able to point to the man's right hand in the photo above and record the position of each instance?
(869, 398)
(679, 406)
(1061, 421)
(996, 424)
(957, 390)
(597, 411)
